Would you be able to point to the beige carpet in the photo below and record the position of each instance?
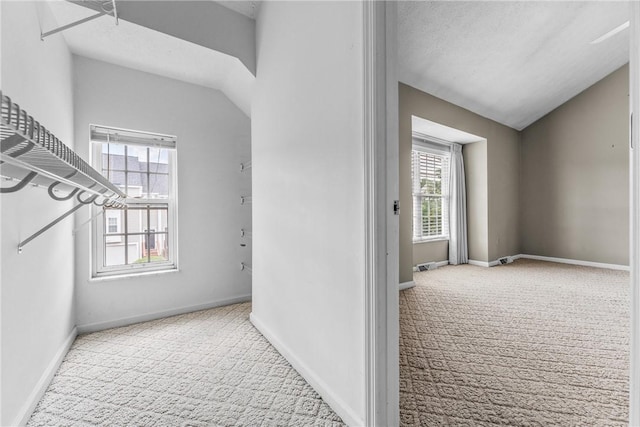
(208, 368)
(525, 344)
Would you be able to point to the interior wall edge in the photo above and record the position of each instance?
(39, 389)
(125, 321)
(348, 415)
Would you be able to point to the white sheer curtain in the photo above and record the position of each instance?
(458, 252)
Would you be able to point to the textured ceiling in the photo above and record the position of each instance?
(512, 62)
(133, 46)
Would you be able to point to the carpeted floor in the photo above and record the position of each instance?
(208, 368)
(525, 344)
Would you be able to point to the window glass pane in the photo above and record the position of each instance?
(113, 156)
(158, 219)
(113, 224)
(158, 160)
(432, 216)
(158, 186)
(115, 177)
(430, 176)
(140, 233)
(153, 248)
(162, 247)
(136, 220)
(114, 251)
(137, 253)
(136, 158)
(136, 184)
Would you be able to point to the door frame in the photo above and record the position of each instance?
(634, 188)
(380, 150)
(381, 225)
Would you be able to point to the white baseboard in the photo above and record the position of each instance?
(43, 383)
(480, 263)
(406, 285)
(124, 321)
(574, 262)
(344, 411)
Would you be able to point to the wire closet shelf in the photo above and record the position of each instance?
(31, 154)
(27, 145)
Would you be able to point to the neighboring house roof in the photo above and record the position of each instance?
(137, 176)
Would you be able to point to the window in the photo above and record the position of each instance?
(113, 225)
(430, 178)
(142, 236)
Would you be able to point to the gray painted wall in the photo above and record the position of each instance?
(476, 176)
(437, 250)
(503, 192)
(492, 182)
(574, 177)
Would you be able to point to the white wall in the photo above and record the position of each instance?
(308, 192)
(213, 138)
(37, 285)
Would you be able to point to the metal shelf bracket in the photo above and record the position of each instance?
(104, 11)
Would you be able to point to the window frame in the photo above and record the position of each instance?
(99, 226)
(434, 148)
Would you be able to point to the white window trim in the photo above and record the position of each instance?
(427, 239)
(437, 147)
(97, 242)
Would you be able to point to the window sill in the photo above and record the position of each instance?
(131, 275)
(431, 239)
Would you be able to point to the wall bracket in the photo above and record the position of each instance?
(104, 10)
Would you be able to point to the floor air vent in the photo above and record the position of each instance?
(426, 266)
(506, 260)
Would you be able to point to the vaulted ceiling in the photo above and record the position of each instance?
(141, 48)
(512, 62)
